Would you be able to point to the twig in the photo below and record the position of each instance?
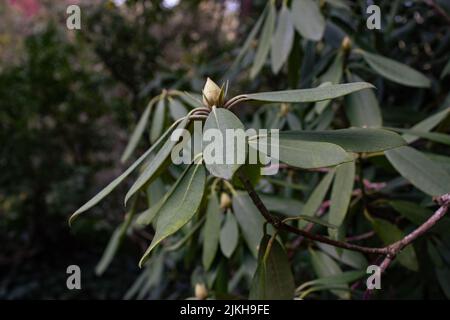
(389, 252)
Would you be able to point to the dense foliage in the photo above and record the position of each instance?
(359, 165)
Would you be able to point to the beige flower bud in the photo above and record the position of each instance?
(212, 94)
(346, 43)
(225, 201)
(201, 292)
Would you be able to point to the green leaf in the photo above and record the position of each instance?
(362, 108)
(146, 217)
(177, 109)
(433, 136)
(336, 280)
(286, 206)
(221, 119)
(301, 154)
(324, 267)
(273, 279)
(317, 196)
(158, 120)
(264, 41)
(389, 234)
(341, 192)
(180, 205)
(282, 40)
(396, 71)
(250, 38)
(114, 243)
(427, 124)
(333, 75)
(418, 169)
(229, 235)
(308, 19)
(111, 186)
(351, 258)
(160, 157)
(211, 231)
(352, 140)
(309, 95)
(137, 133)
(446, 69)
(250, 220)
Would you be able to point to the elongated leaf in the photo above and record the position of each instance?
(336, 280)
(273, 279)
(422, 172)
(181, 205)
(351, 258)
(158, 121)
(341, 192)
(352, 140)
(250, 38)
(146, 217)
(282, 40)
(396, 71)
(286, 206)
(309, 95)
(308, 19)
(137, 133)
(110, 187)
(177, 109)
(264, 41)
(250, 221)
(301, 154)
(221, 119)
(389, 234)
(317, 196)
(427, 124)
(229, 235)
(324, 266)
(362, 108)
(433, 136)
(211, 231)
(446, 69)
(156, 162)
(114, 244)
(333, 75)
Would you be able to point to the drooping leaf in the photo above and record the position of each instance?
(341, 192)
(265, 40)
(362, 108)
(309, 95)
(221, 119)
(389, 234)
(137, 133)
(180, 205)
(317, 196)
(177, 109)
(299, 153)
(114, 243)
(250, 220)
(396, 71)
(282, 39)
(157, 125)
(162, 154)
(351, 258)
(286, 206)
(446, 69)
(333, 75)
(229, 235)
(433, 136)
(336, 280)
(111, 186)
(418, 169)
(324, 266)
(308, 19)
(273, 279)
(352, 139)
(427, 124)
(211, 231)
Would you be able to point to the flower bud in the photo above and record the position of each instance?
(346, 43)
(212, 94)
(225, 201)
(201, 292)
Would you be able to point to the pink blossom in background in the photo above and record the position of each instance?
(28, 7)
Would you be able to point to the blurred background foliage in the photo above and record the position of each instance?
(69, 101)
